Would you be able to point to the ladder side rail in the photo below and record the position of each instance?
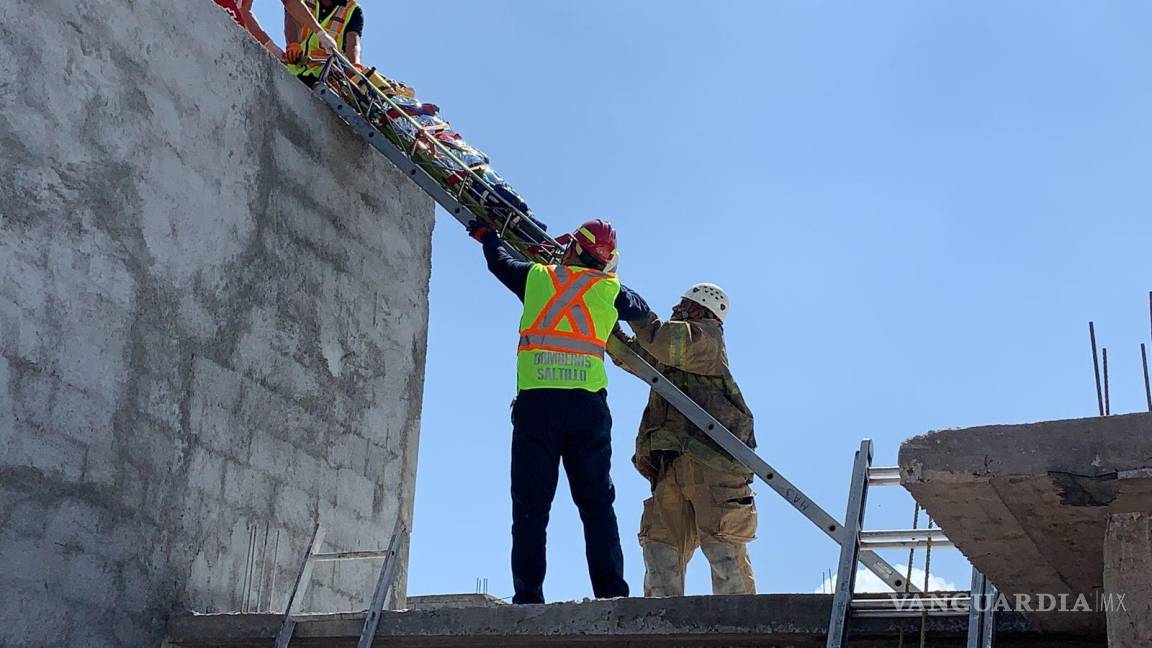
(988, 631)
(747, 457)
(982, 613)
(975, 616)
(303, 578)
(382, 595)
(349, 555)
(420, 175)
(849, 549)
(417, 174)
(708, 424)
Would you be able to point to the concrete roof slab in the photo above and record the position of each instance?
(1028, 504)
(780, 620)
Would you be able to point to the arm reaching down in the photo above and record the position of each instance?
(254, 28)
(296, 15)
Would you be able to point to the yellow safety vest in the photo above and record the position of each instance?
(314, 54)
(568, 314)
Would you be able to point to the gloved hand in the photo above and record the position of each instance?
(479, 230)
(293, 53)
(328, 43)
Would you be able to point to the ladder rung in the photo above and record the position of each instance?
(904, 539)
(905, 614)
(306, 617)
(350, 555)
(909, 600)
(884, 476)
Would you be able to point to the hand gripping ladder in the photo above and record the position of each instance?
(380, 596)
(359, 104)
(978, 604)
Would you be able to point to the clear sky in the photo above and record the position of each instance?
(915, 207)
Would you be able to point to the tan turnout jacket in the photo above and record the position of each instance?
(693, 357)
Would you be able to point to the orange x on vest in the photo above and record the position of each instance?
(335, 28)
(566, 305)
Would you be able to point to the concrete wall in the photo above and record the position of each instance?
(213, 308)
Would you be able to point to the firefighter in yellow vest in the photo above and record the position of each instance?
(701, 497)
(340, 23)
(561, 410)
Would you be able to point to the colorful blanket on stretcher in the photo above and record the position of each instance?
(462, 169)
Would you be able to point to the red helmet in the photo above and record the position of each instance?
(598, 239)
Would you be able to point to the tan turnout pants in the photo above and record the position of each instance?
(692, 506)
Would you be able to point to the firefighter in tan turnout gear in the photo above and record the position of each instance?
(701, 497)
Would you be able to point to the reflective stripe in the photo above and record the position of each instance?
(677, 345)
(566, 298)
(560, 343)
(578, 315)
(560, 276)
(311, 4)
(568, 314)
(337, 20)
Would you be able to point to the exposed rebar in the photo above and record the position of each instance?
(1096, 367)
(927, 576)
(1147, 384)
(1144, 355)
(1107, 397)
(911, 560)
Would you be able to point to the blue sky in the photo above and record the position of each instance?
(915, 206)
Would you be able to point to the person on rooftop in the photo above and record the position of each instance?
(561, 413)
(701, 496)
(314, 28)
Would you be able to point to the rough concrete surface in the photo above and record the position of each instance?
(441, 601)
(213, 307)
(1128, 570)
(765, 620)
(1028, 504)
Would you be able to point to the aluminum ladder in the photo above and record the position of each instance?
(845, 604)
(381, 596)
(340, 80)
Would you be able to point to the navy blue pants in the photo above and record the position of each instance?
(573, 426)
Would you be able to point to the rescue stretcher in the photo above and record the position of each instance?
(462, 170)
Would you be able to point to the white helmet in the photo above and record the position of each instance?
(709, 296)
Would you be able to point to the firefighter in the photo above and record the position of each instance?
(340, 22)
(701, 497)
(560, 414)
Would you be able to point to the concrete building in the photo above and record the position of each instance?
(213, 308)
(1058, 509)
(213, 315)
(749, 621)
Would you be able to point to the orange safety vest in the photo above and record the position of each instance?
(335, 25)
(569, 313)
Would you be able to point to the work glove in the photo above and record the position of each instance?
(479, 230)
(328, 43)
(293, 53)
